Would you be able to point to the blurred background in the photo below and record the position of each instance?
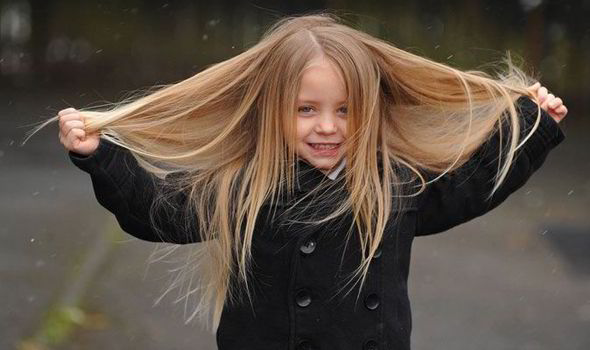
(516, 278)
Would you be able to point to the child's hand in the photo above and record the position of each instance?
(72, 134)
(553, 105)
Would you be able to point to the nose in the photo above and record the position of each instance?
(326, 124)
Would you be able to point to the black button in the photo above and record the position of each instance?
(308, 247)
(371, 345)
(305, 345)
(303, 298)
(377, 253)
(372, 301)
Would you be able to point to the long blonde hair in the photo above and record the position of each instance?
(228, 133)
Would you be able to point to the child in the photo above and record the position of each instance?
(309, 162)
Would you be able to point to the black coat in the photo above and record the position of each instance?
(298, 268)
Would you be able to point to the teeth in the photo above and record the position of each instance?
(324, 145)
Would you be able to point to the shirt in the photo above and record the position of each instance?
(334, 174)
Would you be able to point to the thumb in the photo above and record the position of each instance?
(534, 87)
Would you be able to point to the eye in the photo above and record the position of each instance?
(305, 109)
(343, 109)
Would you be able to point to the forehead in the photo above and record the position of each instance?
(322, 77)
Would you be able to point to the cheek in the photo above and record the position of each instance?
(343, 127)
(303, 128)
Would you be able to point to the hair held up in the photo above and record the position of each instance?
(227, 134)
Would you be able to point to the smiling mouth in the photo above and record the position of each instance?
(324, 146)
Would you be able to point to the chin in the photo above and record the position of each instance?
(323, 164)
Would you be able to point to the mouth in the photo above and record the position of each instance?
(324, 146)
(324, 149)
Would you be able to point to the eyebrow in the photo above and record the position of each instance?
(317, 102)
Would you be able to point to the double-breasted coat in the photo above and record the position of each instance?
(299, 268)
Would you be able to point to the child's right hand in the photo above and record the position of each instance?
(72, 134)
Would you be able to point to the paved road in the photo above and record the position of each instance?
(517, 278)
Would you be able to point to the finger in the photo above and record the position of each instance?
(548, 99)
(72, 124)
(542, 93)
(561, 110)
(75, 137)
(555, 103)
(66, 111)
(64, 142)
(534, 87)
(70, 116)
(542, 96)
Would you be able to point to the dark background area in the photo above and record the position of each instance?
(517, 278)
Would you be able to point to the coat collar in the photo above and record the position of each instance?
(309, 177)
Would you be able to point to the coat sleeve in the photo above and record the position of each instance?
(460, 196)
(128, 191)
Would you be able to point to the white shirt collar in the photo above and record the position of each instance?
(338, 169)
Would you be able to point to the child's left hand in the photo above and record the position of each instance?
(553, 105)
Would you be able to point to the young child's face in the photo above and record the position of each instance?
(321, 115)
